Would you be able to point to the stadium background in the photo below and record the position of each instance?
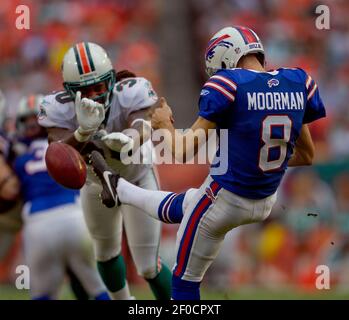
(164, 41)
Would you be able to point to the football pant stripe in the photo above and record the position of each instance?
(190, 230)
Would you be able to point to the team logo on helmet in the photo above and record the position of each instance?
(273, 83)
(214, 43)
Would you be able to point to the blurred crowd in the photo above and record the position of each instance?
(310, 224)
(31, 59)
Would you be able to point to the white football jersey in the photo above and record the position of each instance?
(129, 95)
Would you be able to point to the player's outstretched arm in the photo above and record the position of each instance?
(180, 144)
(90, 114)
(138, 121)
(303, 153)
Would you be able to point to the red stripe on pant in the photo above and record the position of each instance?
(198, 213)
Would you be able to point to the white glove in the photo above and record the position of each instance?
(90, 114)
(117, 141)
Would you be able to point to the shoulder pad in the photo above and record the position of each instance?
(56, 109)
(294, 74)
(135, 93)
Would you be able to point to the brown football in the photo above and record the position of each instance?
(65, 165)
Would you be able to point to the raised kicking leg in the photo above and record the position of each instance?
(165, 206)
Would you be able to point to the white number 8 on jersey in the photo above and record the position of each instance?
(278, 121)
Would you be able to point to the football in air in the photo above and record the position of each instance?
(65, 165)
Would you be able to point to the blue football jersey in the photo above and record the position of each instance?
(263, 113)
(38, 188)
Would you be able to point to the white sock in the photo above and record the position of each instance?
(122, 294)
(147, 200)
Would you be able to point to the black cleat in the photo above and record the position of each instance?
(108, 178)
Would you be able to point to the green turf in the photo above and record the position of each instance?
(143, 293)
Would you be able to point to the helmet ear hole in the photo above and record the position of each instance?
(224, 66)
(261, 58)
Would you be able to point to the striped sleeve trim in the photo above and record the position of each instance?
(311, 93)
(307, 83)
(220, 89)
(231, 84)
(311, 87)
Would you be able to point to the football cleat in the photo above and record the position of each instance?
(108, 178)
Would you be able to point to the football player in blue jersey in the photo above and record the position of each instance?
(10, 206)
(55, 236)
(9, 186)
(264, 115)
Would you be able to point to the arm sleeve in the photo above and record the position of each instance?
(314, 108)
(55, 114)
(135, 94)
(217, 97)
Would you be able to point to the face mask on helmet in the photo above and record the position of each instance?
(87, 68)
(103, 86)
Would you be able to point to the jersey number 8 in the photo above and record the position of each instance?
(283, 122)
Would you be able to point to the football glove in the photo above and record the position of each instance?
(90, 114)
(118, 141)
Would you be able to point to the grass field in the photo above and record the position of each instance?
(142, 293)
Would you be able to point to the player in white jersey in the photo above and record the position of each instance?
(121, 102)
(55, 236)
